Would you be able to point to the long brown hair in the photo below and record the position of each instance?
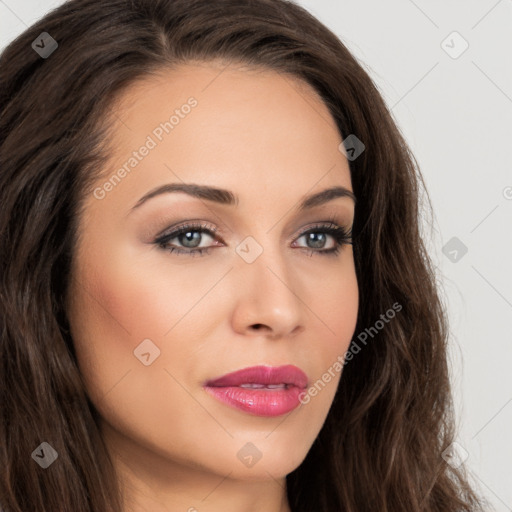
(392, 418)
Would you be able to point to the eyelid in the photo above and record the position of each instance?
(322, 225)
(190, 224)
(334, 217)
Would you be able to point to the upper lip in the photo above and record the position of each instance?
(287, 374)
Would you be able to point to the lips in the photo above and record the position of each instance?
(260, 390)
(263, 376)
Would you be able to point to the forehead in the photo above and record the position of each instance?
(228, 96)
(251, 130)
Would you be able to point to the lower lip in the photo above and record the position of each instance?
(261, 402)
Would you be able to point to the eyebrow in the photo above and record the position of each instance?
(226, 197)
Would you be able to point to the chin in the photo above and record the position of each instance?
(265, 460)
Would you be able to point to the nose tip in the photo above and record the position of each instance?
(267, 303)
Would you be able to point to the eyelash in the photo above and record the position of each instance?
(341, 236)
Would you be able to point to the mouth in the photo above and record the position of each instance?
(265, 386)
(260, 390)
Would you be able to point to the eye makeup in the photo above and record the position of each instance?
(341, 236)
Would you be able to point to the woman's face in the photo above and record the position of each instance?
(151, 326)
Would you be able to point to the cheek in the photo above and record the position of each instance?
(114, 308)
(131, 300)
(122, 302)
(337, 309)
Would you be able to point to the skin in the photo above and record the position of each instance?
(271, 140)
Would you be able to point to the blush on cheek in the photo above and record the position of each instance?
(99, 329)
(125, 305)
(113, 294)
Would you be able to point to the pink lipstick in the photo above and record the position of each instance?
(260, 390)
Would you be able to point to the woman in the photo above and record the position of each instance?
(146, 370)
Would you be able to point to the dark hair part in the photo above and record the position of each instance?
(382, 442)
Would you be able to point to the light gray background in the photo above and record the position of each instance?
(456, 114)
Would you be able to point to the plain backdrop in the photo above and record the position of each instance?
(445, 70)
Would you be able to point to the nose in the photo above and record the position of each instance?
(267, 302)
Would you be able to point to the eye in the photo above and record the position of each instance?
(339, 234)
(190, 236)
